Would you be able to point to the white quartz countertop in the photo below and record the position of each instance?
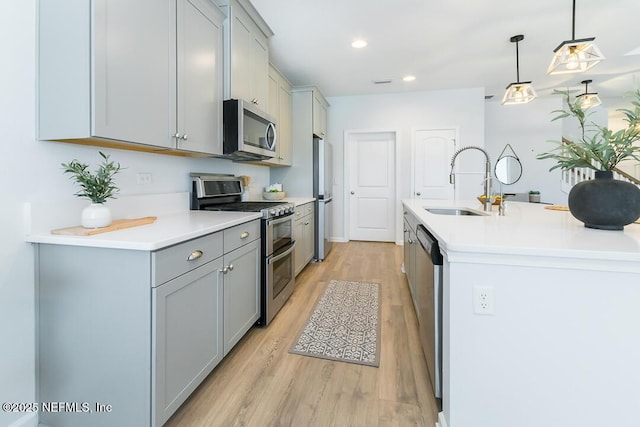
(167, 230)
(299, 200)
(527, 229)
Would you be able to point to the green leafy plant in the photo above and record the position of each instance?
(96, 187)
(599, 147)
(534, 192)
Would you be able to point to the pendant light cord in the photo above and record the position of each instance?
(573, 22)
(518, 63)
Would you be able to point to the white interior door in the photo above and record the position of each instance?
(433, 150)
(371, 186)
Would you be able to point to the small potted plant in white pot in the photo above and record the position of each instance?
(96, 187)
(603, 202)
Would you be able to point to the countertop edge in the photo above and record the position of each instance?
(168, 230)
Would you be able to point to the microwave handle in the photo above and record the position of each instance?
(271, 144)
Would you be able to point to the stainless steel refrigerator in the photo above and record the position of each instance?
(323, 192)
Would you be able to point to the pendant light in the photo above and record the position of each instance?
(518, 92)
(575, 56)
(588, 100)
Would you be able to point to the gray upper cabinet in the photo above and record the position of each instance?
(320, 106)
(142, 74)
(246, 53)
(281, 107)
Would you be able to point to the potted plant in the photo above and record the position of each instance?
(534, 196)
(603, 202)
(97, 187)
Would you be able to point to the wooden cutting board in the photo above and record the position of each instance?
(557, 208)
(118, 224)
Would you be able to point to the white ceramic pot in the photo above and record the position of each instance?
(95, 215)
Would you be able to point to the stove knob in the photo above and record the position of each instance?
(272, 211)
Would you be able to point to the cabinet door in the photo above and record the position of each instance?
(241, 292)
(134, 81)
(309, 235)
(241, 53)
(260, 69)
(280, 102)
(319, 117)
(273, 93)
(299, 251)
(187, 331)
(285, 125)
(199, 73)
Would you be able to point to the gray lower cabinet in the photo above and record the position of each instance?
(137, 331)
(187, 314)
(303, 233)
(410, 247)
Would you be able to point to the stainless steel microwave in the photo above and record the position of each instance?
(249, 133)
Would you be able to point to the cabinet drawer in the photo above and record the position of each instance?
(240, 235)
(304, 210)
(176, 260)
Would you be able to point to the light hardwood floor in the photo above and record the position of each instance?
(260, 384)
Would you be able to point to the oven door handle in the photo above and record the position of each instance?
(282, 255)
(280, 219)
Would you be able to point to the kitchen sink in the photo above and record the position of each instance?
(455, 211)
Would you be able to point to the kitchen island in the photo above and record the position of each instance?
(562, 345)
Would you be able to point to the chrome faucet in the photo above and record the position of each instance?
(487, 172)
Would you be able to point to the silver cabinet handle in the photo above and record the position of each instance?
(306, 223)
(177, 135)
(227, 269)
(195, 255)
(244, 235)
(418, 193)
(184, 137)
(353, 192)
(254, 101)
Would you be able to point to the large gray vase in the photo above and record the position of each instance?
(604, 202)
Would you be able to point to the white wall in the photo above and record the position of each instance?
(30, 171)
(462, 109)
(528, 128)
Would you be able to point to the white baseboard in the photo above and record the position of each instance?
(442, 422)
(28, 420)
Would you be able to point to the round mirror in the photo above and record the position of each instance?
(508, 170)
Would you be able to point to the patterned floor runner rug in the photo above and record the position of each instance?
(344, 325)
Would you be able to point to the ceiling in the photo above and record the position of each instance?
(450, 44)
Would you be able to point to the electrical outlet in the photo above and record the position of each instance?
(143, 178)
(483, 300)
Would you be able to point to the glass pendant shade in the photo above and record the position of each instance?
(588, 99)
(519, 93)
(575, 56)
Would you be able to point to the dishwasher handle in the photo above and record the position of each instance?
(429, 244)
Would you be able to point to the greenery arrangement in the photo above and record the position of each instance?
(599, 147)
(97, 187)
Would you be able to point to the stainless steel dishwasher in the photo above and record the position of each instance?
(429, 310)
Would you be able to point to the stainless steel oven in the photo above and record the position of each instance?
(223, 193)
(278, 266)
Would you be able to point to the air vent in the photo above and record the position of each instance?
(381, 82)
(487, 97)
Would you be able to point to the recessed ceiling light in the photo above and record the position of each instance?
(409, 78)
(359, 44)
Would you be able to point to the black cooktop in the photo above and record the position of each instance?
(242, 206)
